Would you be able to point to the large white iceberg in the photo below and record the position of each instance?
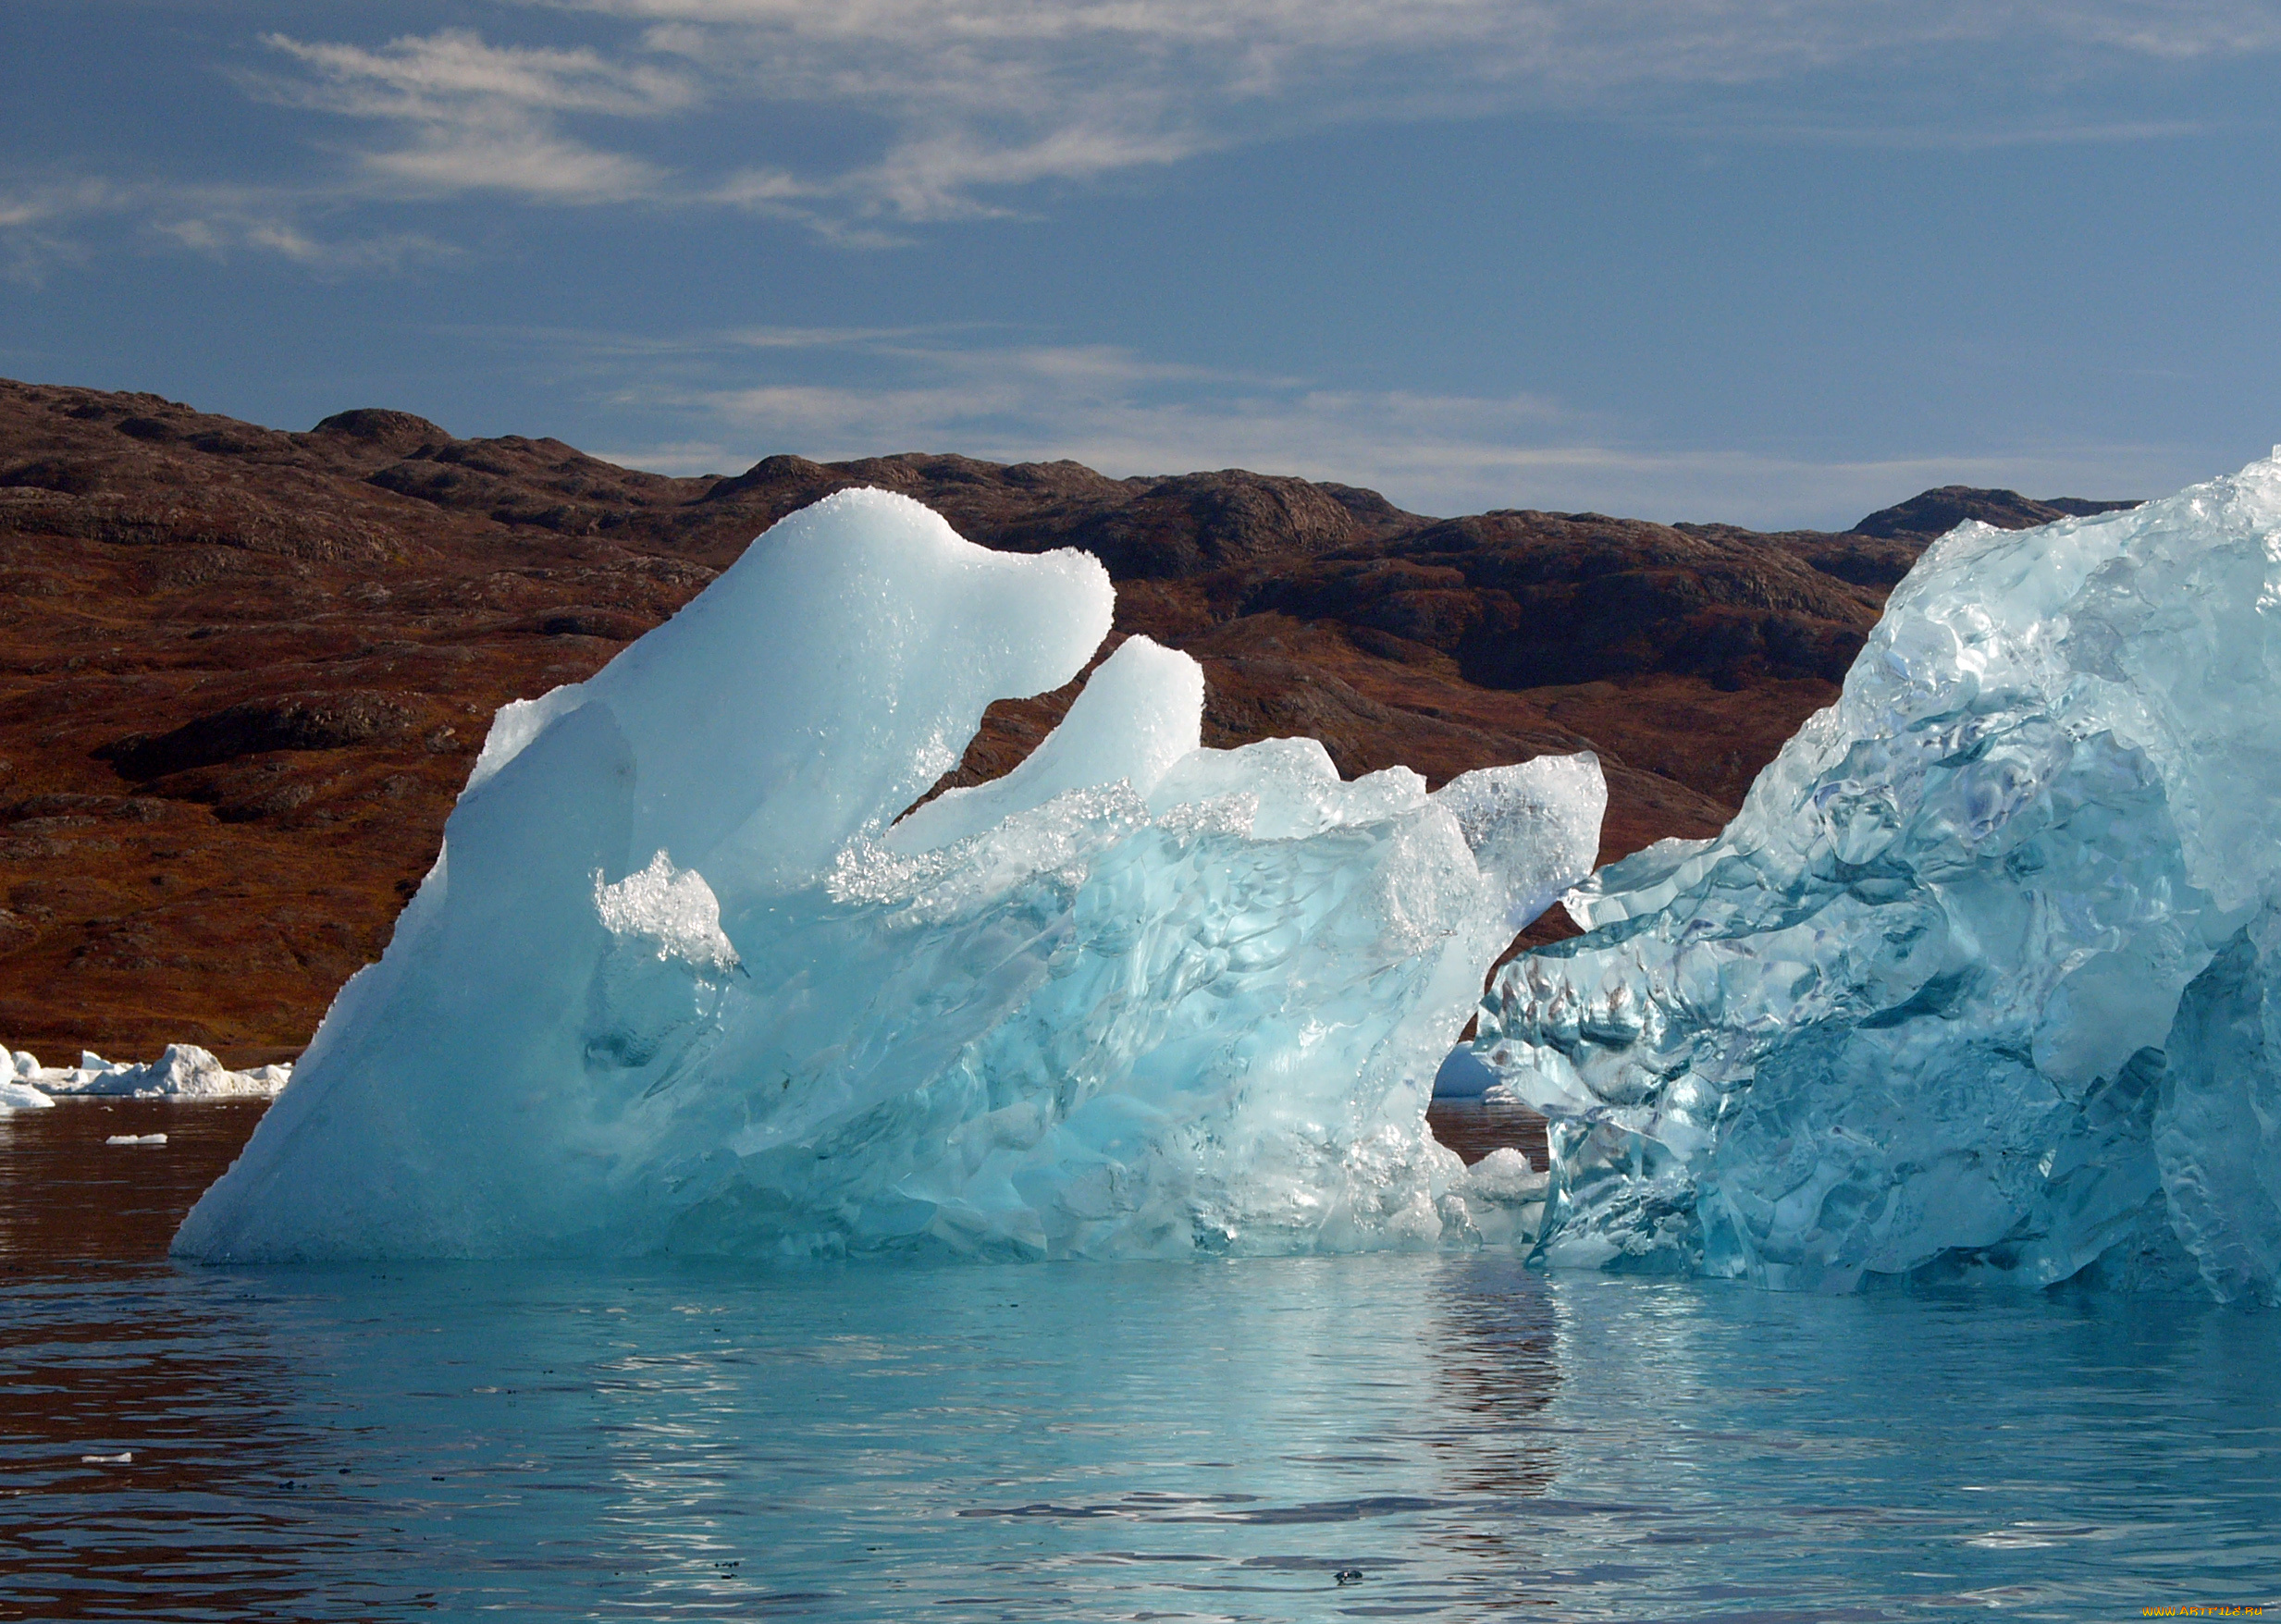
(1982, 981)
(681, 982)
(183, 1072)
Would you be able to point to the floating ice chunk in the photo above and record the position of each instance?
(15, 1096)
(1504, 1176)
(1980, 981)
(25, 1068)
(1136, 998)
(136, 1140)
(1504, 1197)
(183, 1072)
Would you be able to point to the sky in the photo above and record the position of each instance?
(1774, 263)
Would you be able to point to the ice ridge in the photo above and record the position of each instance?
(183, 1072)
(682, 981)
(1984, 980)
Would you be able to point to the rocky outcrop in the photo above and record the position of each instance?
(1938, 512)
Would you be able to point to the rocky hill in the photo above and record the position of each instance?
(243, 672)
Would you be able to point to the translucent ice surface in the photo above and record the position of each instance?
(681, 982)
(1982, 980)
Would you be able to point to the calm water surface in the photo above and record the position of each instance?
(1468, 1439)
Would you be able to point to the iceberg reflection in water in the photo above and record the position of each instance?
(867, 1441)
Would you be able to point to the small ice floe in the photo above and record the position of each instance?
(1505, 1197)
(121, 1459)
(136, 1140)
(17, 1096)
(183, 1072)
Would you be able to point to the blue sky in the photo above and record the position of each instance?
(1774, 262)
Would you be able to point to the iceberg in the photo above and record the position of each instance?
(184, 1071)
(1984, 980)
(692, 974)
(16, 1096)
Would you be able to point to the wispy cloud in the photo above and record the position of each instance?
(959, 109)
(40, 227)
(467, 115)
(225, 233)
(974, 102)
(988, 93)
(56, 201)
(443, 75)
(1125, 414)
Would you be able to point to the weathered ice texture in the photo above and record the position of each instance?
(1981, 981)
(681, 982)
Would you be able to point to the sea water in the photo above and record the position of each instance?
(1390, 1437)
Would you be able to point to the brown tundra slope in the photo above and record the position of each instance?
(243, 672)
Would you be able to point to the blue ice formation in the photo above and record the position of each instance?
(681, 982)
(1984, 981)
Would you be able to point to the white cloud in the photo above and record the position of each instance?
(56, 201)
(41, 225)
(36, 220)
(1386, 443)
(1125, 414)
(969, 105)
(675, 457)
(973, 100)
(454, 76)
(1153, 66)
(222, 231)
(527, 162)
(473, 115)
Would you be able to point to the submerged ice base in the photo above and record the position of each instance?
(1985, 978)
(676, 984)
